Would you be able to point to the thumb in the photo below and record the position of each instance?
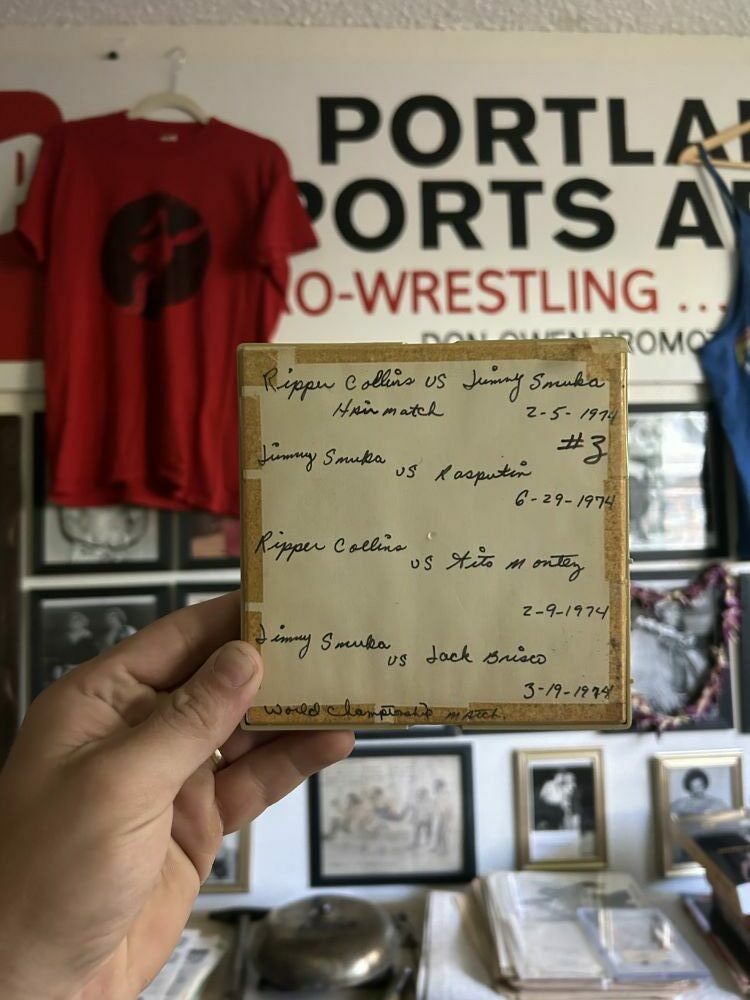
(196, 718)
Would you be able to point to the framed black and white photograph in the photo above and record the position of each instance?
(560, 816)
(230, 871)
(680, 632)
(196, 593)
(393, 815)
(677, 497)
(691, 784)
(93, 539)
(208, 541)
(69, 627)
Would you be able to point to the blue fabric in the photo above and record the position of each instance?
(725, 359)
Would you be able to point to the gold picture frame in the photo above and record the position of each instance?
(671, 773)
(237, 877)
(560, 811)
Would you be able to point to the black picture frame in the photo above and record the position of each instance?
(103, 599)
(646, 480)
(10, 567)
(721, 714)
(192, 525)
(42, 565)
(210, 589)
(463, 872)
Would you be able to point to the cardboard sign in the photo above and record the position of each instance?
(436, 534)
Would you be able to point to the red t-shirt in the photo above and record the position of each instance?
(162, 255)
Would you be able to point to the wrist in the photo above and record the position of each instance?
(14, 982)
(14, 986)
(27, 977)
(21, 989)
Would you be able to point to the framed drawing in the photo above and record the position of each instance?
(208, 541)
(69, 627)
(560, 816)
(10, 513)
(230, 871)
(93, 539)
(393, 814)
(194, 593)
(691, 784)
(677, 497)
(679, 649)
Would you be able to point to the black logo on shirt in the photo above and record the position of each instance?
(154, 254)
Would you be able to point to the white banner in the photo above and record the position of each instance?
(464, 185)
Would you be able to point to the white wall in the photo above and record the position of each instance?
(222, 73)
(279, 859)
(721, 17)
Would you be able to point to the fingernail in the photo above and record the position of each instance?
(236, 664)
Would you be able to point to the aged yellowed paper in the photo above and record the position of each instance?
(436, 534)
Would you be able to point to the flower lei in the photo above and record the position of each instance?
(645, 718)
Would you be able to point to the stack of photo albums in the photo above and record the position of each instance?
(720, 842)
(552, 936)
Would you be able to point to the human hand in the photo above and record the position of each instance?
(111, 811)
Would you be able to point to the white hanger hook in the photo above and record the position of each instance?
(177, 57)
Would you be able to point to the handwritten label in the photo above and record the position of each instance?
(436, 535)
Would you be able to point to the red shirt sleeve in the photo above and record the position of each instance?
(284, 227)
(35, 215)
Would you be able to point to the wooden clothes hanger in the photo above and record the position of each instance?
(171, 99)
(690, 153)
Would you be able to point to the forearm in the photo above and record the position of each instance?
(26, 975)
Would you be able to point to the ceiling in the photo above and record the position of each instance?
(716, 17)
